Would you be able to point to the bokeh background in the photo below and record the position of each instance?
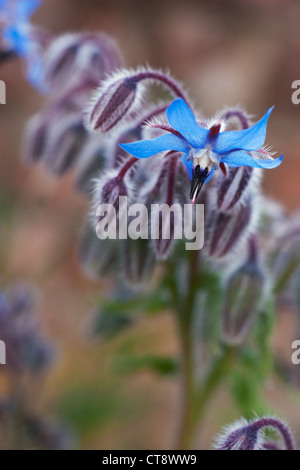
(234, 52)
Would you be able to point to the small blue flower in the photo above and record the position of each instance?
(204, 149)
(17, 34)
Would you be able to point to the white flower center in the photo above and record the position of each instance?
(205, 158)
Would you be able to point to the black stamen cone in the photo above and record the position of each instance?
(198, 181)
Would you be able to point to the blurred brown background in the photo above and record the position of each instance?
(226, 53)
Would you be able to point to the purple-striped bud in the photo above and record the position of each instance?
(227, 232)
(118, 98)
(91, 162)
(167, 193)
(285, 251)
(84, 58)
(113, 191)
(236, 187)
(66, 140)
(244, 296)
(35, 138)
(247, 435)
(137, 261)
(98, 258)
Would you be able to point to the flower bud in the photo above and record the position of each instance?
(233, 190)
(66, 140)
(111, 195)
(164, 194)
(99, 258)
(245, 435)
(244, 295)
(285, 252)
(79, 58)
(90, 163)
(35, 139)
(137, 261)
(117, 99)
(227, 232)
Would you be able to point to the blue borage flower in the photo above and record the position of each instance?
(17, 34)
(205, 149)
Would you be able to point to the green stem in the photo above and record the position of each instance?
(185, 322)
(205, 393)
(195, 397)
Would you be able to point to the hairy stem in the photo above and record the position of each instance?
(195, 396)
(185, 323)
(164, 80)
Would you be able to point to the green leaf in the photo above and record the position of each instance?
(107, 324)
(130, 363)
(86, 408)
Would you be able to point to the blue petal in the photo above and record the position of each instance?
(241, 158)
(188, 164)
(182, 119)
(147, 148)
(35, 72)
(210, 175)
(269, 164)
(247, 139)
(16, 39)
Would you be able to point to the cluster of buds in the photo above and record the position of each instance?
(120, 113)
(101, 146)
(73, 65)
(250, 435)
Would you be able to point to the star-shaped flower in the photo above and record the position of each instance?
(204, 149)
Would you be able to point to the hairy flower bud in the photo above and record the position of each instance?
(117, 99)
(91, 162)
(234, 189)
(99, 258)
(112, 188)
(137, 261)
(285, 251)
(244, 295)
(66, 139)
(226, 232)
(35, 138)
(162, 188)
(120, 97)
(79, 58)
(245, 435)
